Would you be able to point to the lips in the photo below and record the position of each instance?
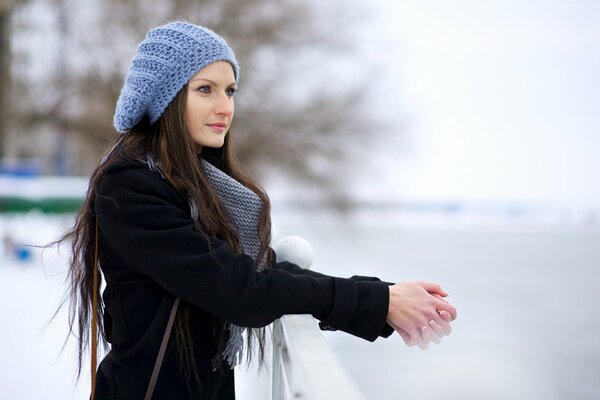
(218, 126)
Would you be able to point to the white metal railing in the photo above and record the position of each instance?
(303, 365)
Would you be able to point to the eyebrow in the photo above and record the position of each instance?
(213, 82)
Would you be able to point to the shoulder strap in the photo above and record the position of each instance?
(161, 351)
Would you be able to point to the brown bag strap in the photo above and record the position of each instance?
(94, 346)
(161, 351)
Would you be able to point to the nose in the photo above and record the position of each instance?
(224, 105)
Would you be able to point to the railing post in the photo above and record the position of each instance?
(303, 365)
(277, 388)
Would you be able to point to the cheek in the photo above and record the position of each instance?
(195, 116)
(188, 119)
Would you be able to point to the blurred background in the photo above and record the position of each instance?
(448, 141)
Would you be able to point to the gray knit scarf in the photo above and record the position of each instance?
(243, 208)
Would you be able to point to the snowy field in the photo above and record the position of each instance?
(527, 327)
(32, 365)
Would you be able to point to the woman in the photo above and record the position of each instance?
(175, 220)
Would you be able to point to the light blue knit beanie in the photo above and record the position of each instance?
(166, 60)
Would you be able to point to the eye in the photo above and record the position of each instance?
(204, 89)
(231, 92)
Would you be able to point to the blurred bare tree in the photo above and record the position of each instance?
(6, 10)
(292, 114)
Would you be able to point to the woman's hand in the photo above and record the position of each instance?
(419, 312)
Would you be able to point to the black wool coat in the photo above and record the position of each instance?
(151, 252)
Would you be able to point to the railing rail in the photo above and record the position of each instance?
(304, 367)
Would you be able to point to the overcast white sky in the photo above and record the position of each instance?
(493, 99)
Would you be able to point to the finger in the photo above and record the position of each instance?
(444, 321)
(445, 315)
(412, 341)
(417, 340)
(437, 329)
(432, 288)
(406, 337)
(445, 326)
(426, 335)
(433, 336)
(449, 308)
(422, 344)
(439, 297)
(403, 334)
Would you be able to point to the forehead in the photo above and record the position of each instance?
(219, 71)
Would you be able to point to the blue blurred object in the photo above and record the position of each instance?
(19, 252)
(22, 253)
(21, 170)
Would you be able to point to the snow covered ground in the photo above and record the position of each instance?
(32, 365)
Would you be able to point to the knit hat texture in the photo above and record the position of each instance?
(165, 61)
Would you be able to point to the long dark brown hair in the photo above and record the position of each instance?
(169, 143)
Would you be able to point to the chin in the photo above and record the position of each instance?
(210, 141)
(217, 145)
(214, 145)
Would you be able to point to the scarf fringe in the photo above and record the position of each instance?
(235, 345)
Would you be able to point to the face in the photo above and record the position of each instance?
(209, 106)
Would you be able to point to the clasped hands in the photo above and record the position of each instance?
(419, 312)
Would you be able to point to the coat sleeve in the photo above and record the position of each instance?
(294, 269)
(155, 236)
